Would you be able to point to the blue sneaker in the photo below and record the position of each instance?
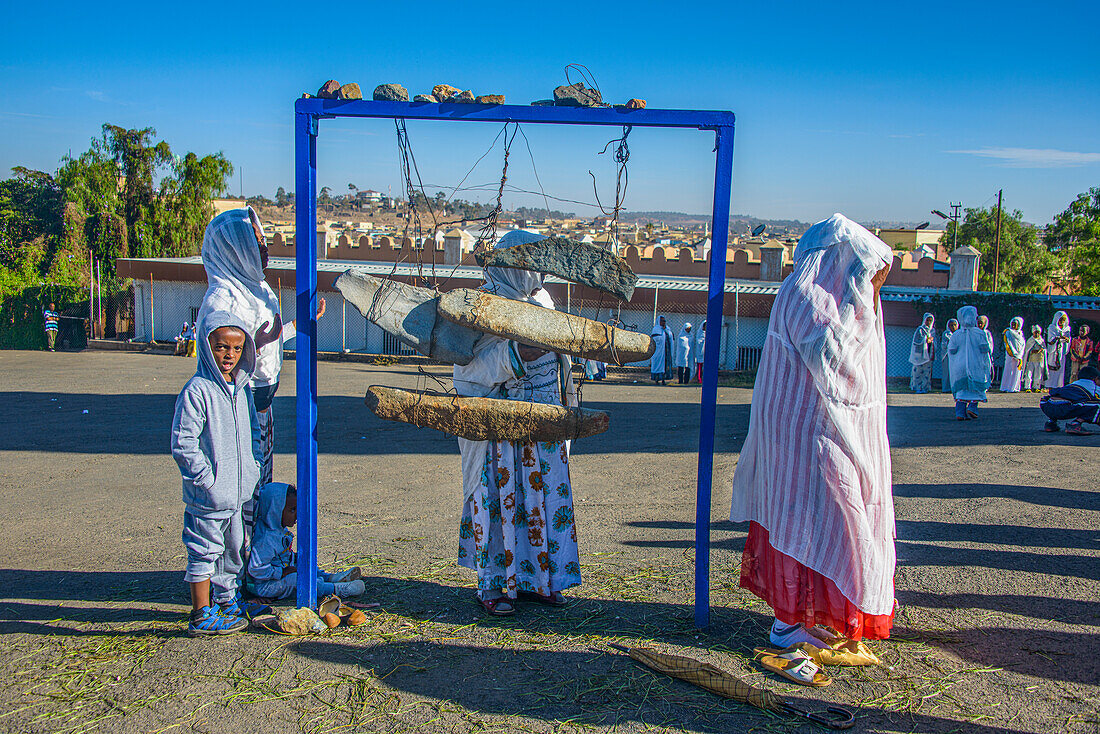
(211, 621)
(238, 607)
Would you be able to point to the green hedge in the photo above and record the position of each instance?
(22, 325)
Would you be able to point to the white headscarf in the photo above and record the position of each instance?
(1014, 336)
(834, 263)
(970, 354)
(1054, 330)
(921, 351)
(231, 257)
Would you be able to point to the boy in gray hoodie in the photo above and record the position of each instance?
(216, 443)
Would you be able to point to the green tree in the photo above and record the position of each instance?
(1026, 265)
(114, 208)
(281, 199)
(1076, 233)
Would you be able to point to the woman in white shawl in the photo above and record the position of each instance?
(814, 474)
(971, 357)
(683, 354)
(1013, 372)
(1058, 338)
(921, 355)
(945, 366)
(517, 530)
(660, 364)
(700, 351)
(234, 254)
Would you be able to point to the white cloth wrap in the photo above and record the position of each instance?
(971, 357)
(815, 468)
(922, 349)
(683, 347)
(231, 257)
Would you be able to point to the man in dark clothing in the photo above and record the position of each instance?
(1077, 402)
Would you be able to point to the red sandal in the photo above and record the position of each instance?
(496, 607)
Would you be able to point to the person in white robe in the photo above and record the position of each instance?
(1013, 372)
(1035, 360)
(813, 477)
(517, 531)
(971, 357)
(945, 361)
(660, 364)
(700, 351)
(1058, 339)
(683, 354)
(922, 353)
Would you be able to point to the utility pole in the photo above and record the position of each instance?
(955, 217)
(997, 246)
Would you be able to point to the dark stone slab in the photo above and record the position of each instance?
(328, 89)
(577, 262)
(576, 95)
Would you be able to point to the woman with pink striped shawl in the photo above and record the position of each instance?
(813, 478)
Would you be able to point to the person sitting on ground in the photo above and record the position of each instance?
(1035, 360)
(1080, 349)
(216, 444)
(181, 341)
(971, 358)
(1079, 402)
(272, 562)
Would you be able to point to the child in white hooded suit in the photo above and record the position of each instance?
(272, 572)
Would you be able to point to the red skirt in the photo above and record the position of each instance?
(800, 595)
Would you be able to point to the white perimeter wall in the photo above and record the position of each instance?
(343, 327)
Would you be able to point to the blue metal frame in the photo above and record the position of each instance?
(307, 113)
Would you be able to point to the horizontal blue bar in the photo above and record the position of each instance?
(698, 119)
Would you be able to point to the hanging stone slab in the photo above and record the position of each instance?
(577, 262)
(545, 328)
(408, 313)
(390, 93)
(425, 98)
(486, 419)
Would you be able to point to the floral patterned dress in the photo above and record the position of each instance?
(517, 530)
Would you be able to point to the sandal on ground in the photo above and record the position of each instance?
(971, 415)
(498, 607)
(1077, 428)
(554, 600)
(794, 665)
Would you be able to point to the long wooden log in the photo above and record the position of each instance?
(545, 328)
(577, 262)
(486, 419)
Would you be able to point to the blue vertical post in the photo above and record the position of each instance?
(716, 287)
(305, 283)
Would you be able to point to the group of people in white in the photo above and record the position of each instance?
(1044, 360)
(685, 352)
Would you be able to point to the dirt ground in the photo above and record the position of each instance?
(998, 573)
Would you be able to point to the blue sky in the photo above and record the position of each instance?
(882, 111)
